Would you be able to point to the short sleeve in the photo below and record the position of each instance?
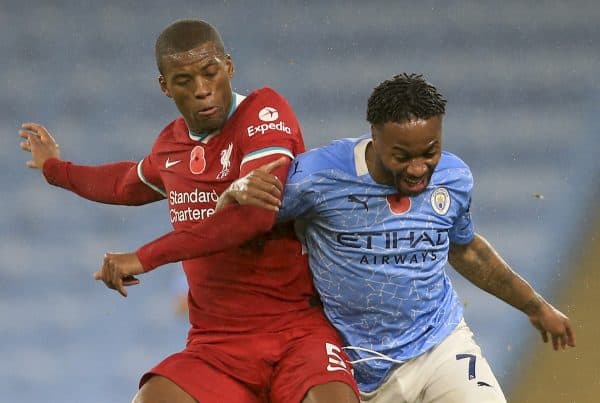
(463, 230)
(299, 196)
(267, 127)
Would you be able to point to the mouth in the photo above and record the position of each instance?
(414, 185)
(208, 111)
(414, 181)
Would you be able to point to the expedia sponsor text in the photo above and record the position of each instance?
(264, 127)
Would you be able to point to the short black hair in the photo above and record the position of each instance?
(405, 97)
(184, 35)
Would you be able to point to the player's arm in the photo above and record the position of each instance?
(236, 224)
(231, 227)
(479, 263)
(260, 188)
(115, 183)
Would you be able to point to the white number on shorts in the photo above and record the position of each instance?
(336, 363)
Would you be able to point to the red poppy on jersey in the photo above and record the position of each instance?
(398, 204)
(197, 160)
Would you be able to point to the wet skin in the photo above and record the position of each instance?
(199, 82)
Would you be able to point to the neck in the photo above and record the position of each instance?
(203, 134)
(376, 169)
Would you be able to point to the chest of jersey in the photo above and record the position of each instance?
(194, 174)
(373, 220)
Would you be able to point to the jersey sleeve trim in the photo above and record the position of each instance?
(360, 159)
(147, 182)
(265, 152)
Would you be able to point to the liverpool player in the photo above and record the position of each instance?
(255, 335)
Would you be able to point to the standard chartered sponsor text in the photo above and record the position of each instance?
(195, 196)
(191, 213)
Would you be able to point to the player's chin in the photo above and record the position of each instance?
(208, 124)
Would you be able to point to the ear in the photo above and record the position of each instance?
(373, 132)
(230, 66)
(163, 86)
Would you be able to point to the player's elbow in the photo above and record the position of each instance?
(134, 196)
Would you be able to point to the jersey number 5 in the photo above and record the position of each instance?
(336, 362)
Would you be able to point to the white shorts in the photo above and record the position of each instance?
(454, 371)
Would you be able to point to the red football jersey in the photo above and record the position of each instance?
(251, 286)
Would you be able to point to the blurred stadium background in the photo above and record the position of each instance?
(523, 89)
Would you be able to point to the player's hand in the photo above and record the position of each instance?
(39, 143)
(260, 188)
(118, 271)
(553, 324)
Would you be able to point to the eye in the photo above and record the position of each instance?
(211, 72)
(183, 81)
(400, 158)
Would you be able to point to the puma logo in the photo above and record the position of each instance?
(296, 170)
(355, 199)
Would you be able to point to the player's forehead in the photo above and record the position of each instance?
(415, 125)
(414, 133)
(203, 55)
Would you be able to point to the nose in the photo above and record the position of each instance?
(416, 168)
(202, 88)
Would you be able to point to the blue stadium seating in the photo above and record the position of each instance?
(522, 84)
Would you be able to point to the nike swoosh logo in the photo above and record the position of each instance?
(169, 164)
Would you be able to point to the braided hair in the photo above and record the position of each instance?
(403, 98)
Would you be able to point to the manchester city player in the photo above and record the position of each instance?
(381, 216)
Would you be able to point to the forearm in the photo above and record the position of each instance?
(479, 263)
(231, 227)
(115, 183)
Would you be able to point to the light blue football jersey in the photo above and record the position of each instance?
(378, 259)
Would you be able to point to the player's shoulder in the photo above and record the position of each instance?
(451, 161)
(265, 92)
(264, 106)
(264, 96)
(335, 156)
(452, 169)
